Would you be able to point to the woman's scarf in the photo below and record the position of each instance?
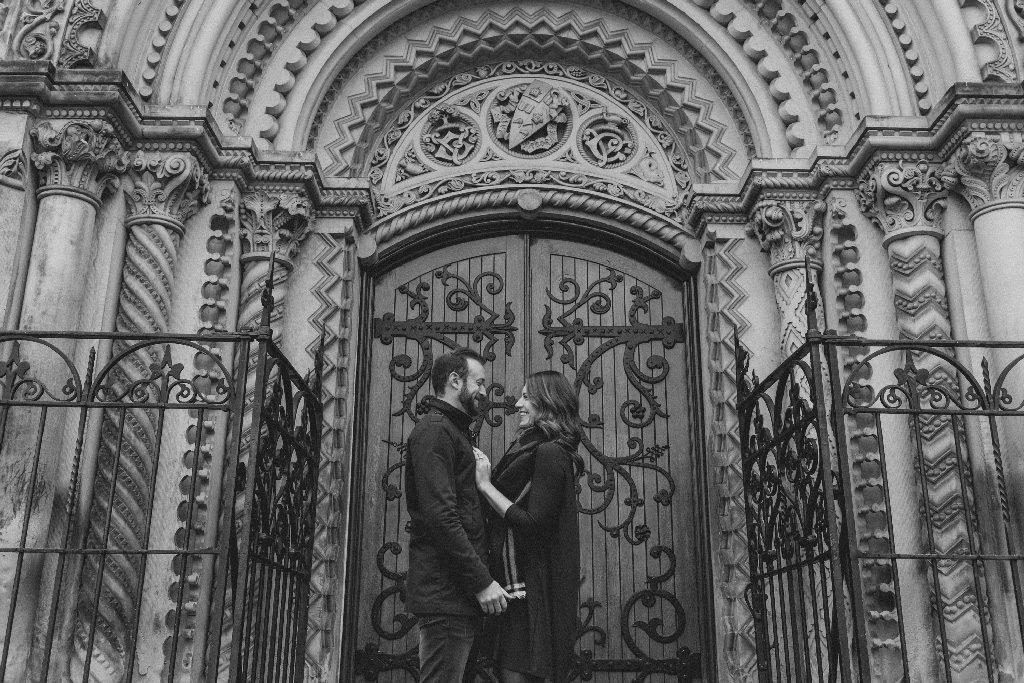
(512, 476)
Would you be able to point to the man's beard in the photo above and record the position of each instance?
(471, 404)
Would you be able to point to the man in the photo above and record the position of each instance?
(448, 584)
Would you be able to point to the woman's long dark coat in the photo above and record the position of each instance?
(546, 529)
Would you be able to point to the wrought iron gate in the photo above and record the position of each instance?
(884, 484)
(119, 557)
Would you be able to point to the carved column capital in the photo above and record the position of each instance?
(790, 230)
(278, 222)
(987, 169)
(82, 159)
(164, 189)
(903, 200)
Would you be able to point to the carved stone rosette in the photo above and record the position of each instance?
(162, 192)
(790, 231)
(906, 201)
(987, 169)
(80, 159)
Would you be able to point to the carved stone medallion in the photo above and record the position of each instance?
(449, 137)
(607, 141)
(531, 119)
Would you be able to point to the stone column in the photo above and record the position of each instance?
(77, 162)
(906, 201)
(162, 192)
(790, 230)
(987, 170)
(270, 225)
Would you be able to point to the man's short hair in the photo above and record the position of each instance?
(455, 361)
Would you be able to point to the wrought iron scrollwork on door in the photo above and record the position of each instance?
(571, 332)
(488, 327)
(482, 326)
(685, 666)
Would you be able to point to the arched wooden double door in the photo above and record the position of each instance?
(624, 334)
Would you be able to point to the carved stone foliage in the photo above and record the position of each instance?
(165, 189)
(12, 164)
(790, 231)
(39, 24)
(535, 124)
(72, 53)
(986, 169)
(80, 156)
(277, 222)
(898, 197)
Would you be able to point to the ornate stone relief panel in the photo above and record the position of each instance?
(529, 123)
(435, 43)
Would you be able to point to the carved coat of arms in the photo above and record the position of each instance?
(530, 118)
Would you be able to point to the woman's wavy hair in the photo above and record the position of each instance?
(558, 407)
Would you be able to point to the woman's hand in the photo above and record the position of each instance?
(483, 468)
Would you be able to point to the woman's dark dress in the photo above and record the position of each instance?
(538, 638)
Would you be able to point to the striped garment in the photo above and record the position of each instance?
(514, 586)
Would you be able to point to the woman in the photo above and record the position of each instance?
(534, 537)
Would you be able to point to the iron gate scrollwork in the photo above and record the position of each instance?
(122, 548)
(851, 505)
(275, 546)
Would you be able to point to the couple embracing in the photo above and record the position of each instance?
(503, 542)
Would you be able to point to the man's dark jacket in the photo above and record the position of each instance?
(447, 545)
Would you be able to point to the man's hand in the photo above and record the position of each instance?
(493, 599)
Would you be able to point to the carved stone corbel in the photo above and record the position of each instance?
(790, 230)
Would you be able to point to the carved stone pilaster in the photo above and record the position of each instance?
(790, 231)
(987, 169)
(162, 193)
(81, 159)
(906, 202)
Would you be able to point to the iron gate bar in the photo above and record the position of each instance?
(823, 395)
(63, 595)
